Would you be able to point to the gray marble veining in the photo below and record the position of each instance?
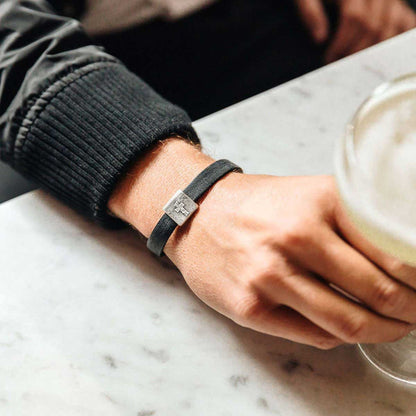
(92, 324)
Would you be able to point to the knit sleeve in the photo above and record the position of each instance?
(73, 118)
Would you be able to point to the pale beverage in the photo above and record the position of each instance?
(376, 176)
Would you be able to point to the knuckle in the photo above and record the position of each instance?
(354, 329)
(296, 235)
(372, 27)
(247, 310)
(263, 275)
(355, 16)
(389, 298)
(397, 268)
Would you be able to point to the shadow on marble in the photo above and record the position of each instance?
(339, 381)
(12, 184)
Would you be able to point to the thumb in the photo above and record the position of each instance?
(313, 14)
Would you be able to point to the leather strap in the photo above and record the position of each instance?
(204, 181)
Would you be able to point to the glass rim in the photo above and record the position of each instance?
(349, 172)
(352, 125)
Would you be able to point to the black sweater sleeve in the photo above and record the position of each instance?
(73, 118)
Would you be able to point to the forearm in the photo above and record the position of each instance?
(73, 118)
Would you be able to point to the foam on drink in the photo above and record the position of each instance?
(379, 187)
(376, 176)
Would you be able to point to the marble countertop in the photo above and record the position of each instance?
(91, 324)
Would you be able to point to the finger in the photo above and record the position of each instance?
(367, 40)
(346, 268)
(285, 323)
(407, 19)
(372, 26)
(333, 312)
(392, 15)
(375, 22)
(399, 18)
(313, 15)
(408, 24)
(349, 32)
(395, 268)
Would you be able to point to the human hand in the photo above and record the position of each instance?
(264, 251)
(267, 252)
(362, 23)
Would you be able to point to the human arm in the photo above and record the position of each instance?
(77, 121)
(72, 117)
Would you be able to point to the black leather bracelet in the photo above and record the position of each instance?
(184, 203)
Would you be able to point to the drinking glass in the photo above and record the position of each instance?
(375, 176)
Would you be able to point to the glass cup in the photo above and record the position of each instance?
(376, 177)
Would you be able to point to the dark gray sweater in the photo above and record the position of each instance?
(72, 117)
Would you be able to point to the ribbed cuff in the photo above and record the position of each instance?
(87, 129)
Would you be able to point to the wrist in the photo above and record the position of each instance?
(143, 191)
(219, 202)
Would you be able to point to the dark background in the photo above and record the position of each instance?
(210, 60)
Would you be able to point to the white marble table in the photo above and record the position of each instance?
(91, 324)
